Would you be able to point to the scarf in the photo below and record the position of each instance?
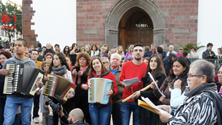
(211, 89)
(59, 71)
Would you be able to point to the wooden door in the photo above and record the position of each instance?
(139, 35)
(138, 29)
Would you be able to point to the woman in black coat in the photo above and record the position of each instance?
(156, 68)
(80, 75)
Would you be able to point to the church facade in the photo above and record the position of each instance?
(125, 22)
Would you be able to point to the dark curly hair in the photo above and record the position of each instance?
(62, 58)
(183, 77)
(66, 52)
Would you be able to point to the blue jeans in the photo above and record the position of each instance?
(11, 106)
(126, 109)
(18, 120)
(100, 115)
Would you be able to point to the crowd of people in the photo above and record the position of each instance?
(192, 89)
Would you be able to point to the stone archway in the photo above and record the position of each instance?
(121, 7)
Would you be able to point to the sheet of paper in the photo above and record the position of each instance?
(156, 84)
(147, 100)
(131, 81)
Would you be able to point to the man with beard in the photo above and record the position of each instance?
(135, 68)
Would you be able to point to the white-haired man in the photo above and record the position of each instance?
(48, 49)
(115, 68)
(171, 50)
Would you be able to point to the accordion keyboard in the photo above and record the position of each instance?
(8, 86)
(50, 85)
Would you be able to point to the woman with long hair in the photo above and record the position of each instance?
(66, 51)
(129, 54)
(100, 114)
(69, 62)
(80, 74)
(107, 47)
(60, 67)
(179, 70)
(156, 69)
(120, 51)
(4, 55)
(94, 51)
(73, 53)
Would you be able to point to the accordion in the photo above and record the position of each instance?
(22, 79)
(98, 89)
(58, 85)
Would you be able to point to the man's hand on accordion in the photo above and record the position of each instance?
(4, 72)
(39, 84)
(109, 93)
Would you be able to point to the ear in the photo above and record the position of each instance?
(74, 120)
(184, 68)
(204, 79)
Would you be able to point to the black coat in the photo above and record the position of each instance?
(206, 55)
(80, 93)
(48, 51)
(73, 57)
(167, 63)
(147, 117)
(80, 100)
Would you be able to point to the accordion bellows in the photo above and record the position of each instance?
(22, 79)
(98, 89)
(58, 85)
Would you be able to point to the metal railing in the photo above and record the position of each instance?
(216, 62)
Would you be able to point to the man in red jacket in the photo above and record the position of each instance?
(132, 69)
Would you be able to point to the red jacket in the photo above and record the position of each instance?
(128, 71)
(107, 75)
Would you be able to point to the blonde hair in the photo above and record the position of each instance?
(118, 50)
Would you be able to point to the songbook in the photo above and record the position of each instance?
(147, 104)
(131, 81)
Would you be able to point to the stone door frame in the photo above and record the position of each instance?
(121, 7)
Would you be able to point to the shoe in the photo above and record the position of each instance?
(36, 120)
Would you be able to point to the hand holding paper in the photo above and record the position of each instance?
(156, 84)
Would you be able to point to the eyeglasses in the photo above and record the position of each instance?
(189, 75)
(140, 50)
(219, 72)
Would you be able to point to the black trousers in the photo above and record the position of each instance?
(116, 114)
(36, 106)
